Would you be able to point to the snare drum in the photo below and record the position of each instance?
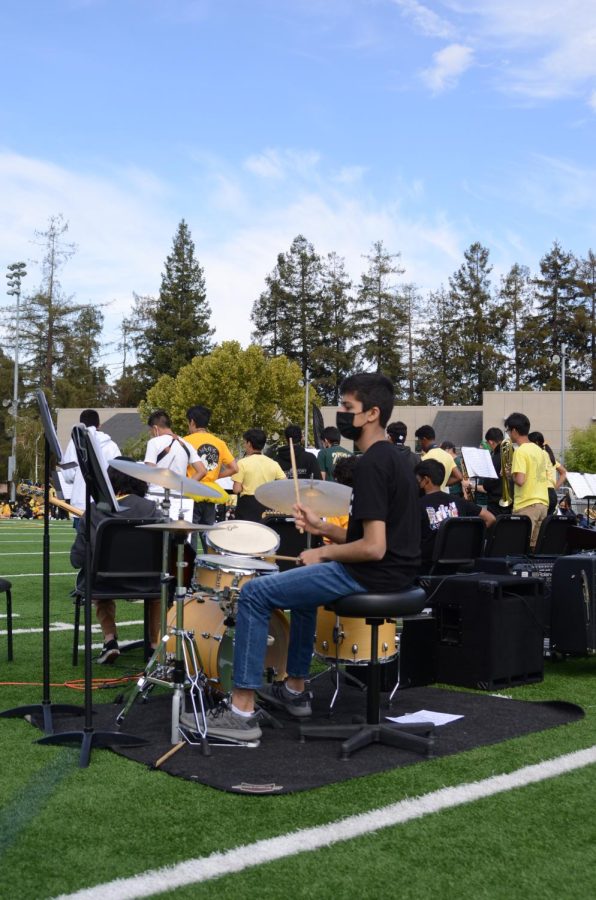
(214, 641)
(240, 538)
(214, 575)
(348, 640)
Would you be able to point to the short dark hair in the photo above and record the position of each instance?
(433, 469)
(448, 445)
(372, 389)
(494, 434)
(343, 470)
(200, 415)
(332, 434)
(126, 484)
(425, 432)
(294, 432)
(160, 418)
(256, 437)
(519, 421)
(89, 418)
(398, 432)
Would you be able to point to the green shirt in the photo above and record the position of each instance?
(328, 457)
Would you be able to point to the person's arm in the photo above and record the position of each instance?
(455, 477)
(237, 480)
(228, 469)
(562, 475)
(199, 470)
(487, 517)
(371, 547)
(519, 478)
(237, 487)
(309, 521)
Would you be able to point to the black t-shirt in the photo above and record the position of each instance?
(306, 462)
(385, 490)
(434, 509)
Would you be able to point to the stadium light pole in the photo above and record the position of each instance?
(16, 272)
(562, 359)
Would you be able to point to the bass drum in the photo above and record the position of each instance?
(348, 640)
(214, 642)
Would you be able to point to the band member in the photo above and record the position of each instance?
(378, 553)
(254, 469)
(332, 452)
(436, 506)
(306, 463)
(109, 450)
(215, 456)
(426, 439)
(397, 433)
(493, 487)
(166, 450)
(555, 471)
(530, 492)
(131, 491)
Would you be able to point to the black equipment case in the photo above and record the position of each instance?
(490, 630)
(573, 605)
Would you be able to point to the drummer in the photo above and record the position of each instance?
(379, 553)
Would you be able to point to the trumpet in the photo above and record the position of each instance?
(506, 460)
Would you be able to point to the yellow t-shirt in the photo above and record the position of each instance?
(214, 453)
(445, 459)
(255, 470)
(529, 459)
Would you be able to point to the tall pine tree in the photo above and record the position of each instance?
(479, 365)
(177, 326)
(516, 306)
(333, 358)
(586, 277)
(379, 315)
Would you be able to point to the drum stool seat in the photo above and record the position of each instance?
(6, 588)
(376, 608)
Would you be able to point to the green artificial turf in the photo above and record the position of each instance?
(63, 828)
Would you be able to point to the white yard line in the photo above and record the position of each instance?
(198, 870)
(36, 553)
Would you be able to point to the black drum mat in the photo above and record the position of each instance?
(281, 764)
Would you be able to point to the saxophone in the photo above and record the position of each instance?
(468, 493)
(506, 449)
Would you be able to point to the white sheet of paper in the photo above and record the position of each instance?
(424, 715)
(478, 462)
(579, 484)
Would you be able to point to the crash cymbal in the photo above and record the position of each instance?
(325, 498)
(166, 478)
(177, 525)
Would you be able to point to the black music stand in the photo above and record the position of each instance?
(98, 485)
(46, 708)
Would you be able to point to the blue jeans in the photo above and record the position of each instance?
(300, 590)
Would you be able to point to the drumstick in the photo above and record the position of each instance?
(281, 557)
(295, 475)
(167, 755)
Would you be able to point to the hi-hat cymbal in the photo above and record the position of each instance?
(177, 525)
(166, 478)
(325, 498)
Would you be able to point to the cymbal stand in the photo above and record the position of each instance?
(197, 680)
(157, 662)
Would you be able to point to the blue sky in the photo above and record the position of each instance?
(427, 125)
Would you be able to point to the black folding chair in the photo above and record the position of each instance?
(509, 536)
(126, 564)
(552, 537)
(458, 543)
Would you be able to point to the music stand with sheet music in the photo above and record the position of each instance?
(97, 485)
(46, 708)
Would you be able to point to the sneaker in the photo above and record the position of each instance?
(277, 695)
(109, 653)
(224, 723)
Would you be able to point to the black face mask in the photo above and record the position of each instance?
(345, 423)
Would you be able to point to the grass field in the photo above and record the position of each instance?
(64, 828)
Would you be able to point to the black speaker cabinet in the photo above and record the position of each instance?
(490, 630)
(418, 657)
(573, 605)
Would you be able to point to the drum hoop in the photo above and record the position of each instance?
(245, 565)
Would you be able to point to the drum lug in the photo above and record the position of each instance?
(355, 649)
(206, 635)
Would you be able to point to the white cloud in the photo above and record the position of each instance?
(592, 100)
(278, 164)
(449, 64)
(425, 20)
